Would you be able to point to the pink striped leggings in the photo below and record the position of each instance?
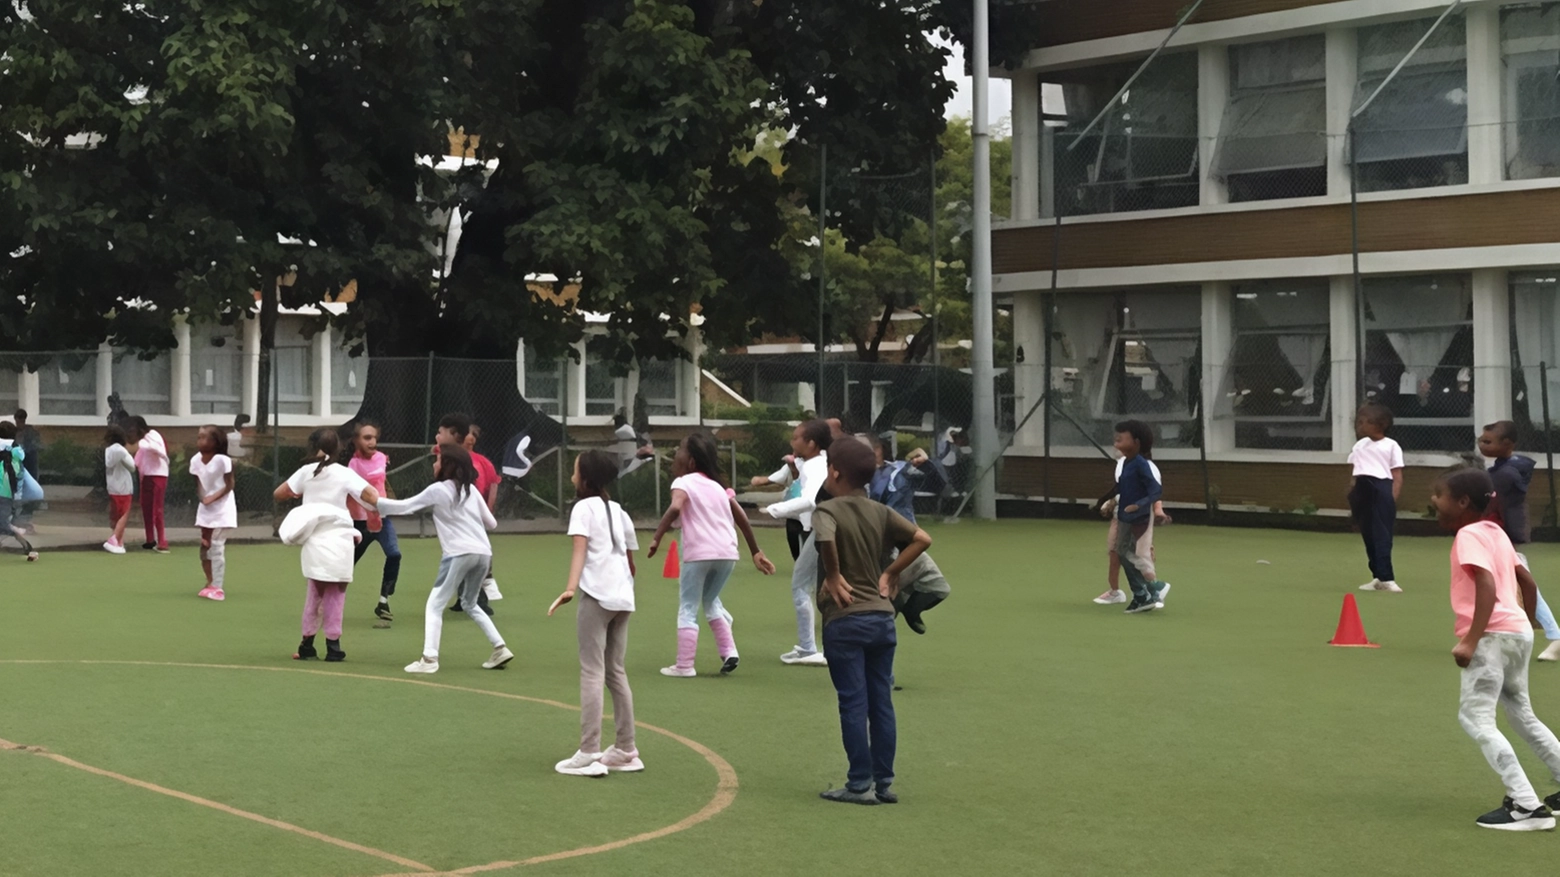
(323, 604)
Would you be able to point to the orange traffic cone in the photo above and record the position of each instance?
(672, 569)
(1351, 631)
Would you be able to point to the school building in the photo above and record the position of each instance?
(1190, 258)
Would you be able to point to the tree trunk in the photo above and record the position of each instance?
(269, 306)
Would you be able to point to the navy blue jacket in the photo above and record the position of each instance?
(1137, 487)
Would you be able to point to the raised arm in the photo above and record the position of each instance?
(427, 499)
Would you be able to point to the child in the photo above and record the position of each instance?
(151, 458)
(810, 443)
(856, 538)
(218, 512)
(603, 568)
(454, 429)
(119, 467)
(487, 484)
(462, 521)
(370, 465)
(11, 487)
(1511, 475)
(710, 517)
(1145, 548)
(31, 442)
(786, 478)
(1378, 480)
(324, 528)
(1495, 640)
(1138, 493)
(923, 585)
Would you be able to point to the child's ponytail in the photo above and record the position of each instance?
(325, 442)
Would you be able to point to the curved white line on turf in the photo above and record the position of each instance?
(725, 787)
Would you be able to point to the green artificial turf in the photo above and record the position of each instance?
(1039, 733)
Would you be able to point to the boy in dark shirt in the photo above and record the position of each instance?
(856, 538)
(1137, 490)
(1511, 474)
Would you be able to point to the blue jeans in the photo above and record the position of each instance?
(392, 548)
(861, 663)
(699, 586)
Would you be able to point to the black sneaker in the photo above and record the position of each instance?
(1137, 606)
(846, 796)
(885, 795)
(1553, 802)
(382, 611)
(728, 665)
(306, 650)
(1510, 817)
(333, 651)
(148, 546)
(913, 619)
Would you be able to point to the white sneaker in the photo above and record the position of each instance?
(675, 670)
(1372, 585)
(490, 587)
(816, 659)
(1552, 653)
(1159, 599)
(1390, 587)
(423, 665)
(794, 655)
(111, 548)
(582, 764)
(615, 759)
(501, 656)
(1109, 597)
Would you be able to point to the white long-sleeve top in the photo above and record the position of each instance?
(461, 522)
(814, 473)
(119, 469)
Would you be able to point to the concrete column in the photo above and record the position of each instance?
(27, 391)
(1026, 146)
(105, 377)
(520, 369)
(1343, 65)
(1029, 332)
(251, 393)
(689, 389)
(1486, 160)
(1343, 382)
(1213, 96)
(1218, 344)
(1491, 348)
(576, 400)
(324, 342)
(179, 367)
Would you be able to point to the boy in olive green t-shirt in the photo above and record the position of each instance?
(858, 579)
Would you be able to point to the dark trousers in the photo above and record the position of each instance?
(861, 663)
(1375, 513)
(392, 548)
(794, 536)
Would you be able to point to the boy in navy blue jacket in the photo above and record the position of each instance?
(1138, 490)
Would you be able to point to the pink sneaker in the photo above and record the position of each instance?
(211, 593)
(1111, 597)
(618, 761)
(217, 594)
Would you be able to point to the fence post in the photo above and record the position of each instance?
(1549, 447)
(733, 458)
(428, 404)
(276, 424)
(563, 443)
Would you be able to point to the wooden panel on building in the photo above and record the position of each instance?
(1073, 21)
(1474, 220)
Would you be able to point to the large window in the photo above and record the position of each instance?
(601, 387)
(1415, 133)
(1273, 141)
(1143, 154)
(543, 382)
(1418, 357)
(1127, 355)
(67, 384)
(1535, 324)
(217, 369)
(1530, 55)
(293, 372)
(144, 386)
(348, 377)
(658, 383)
(1278, 384)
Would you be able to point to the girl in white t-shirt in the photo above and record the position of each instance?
(323, 528)
(603, 569)
(217, 512)
(119, 476)
(462, 519)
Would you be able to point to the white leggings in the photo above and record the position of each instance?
(461, 574)
(217, 555)
(1498, 673)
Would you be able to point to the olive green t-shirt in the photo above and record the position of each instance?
(865, 534)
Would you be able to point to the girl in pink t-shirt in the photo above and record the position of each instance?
(370, 464)
(710, 515)
(1494, 627)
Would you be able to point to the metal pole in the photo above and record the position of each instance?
(428, 403)
(823, 264)
(1202, 454)
(983, 369)
(1048, 306)
(276, 422)
(1185, 17)
(1549, 442)
(1354, 248)
(936, 323)
(563, 443)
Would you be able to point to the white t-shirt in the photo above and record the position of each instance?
(461, 522)
(212, 477)
(332, 486)
(120, 469)
(151, 455)
(606, 576)
(1375, 459)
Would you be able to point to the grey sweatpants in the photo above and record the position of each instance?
(804, 594)
(603, 638)
(461, 576)
(1499, 671)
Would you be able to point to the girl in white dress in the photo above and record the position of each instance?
(217, 512)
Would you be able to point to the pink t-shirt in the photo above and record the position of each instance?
(708, 531)
(371, 470)
(151, 454)
(1486, 546)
